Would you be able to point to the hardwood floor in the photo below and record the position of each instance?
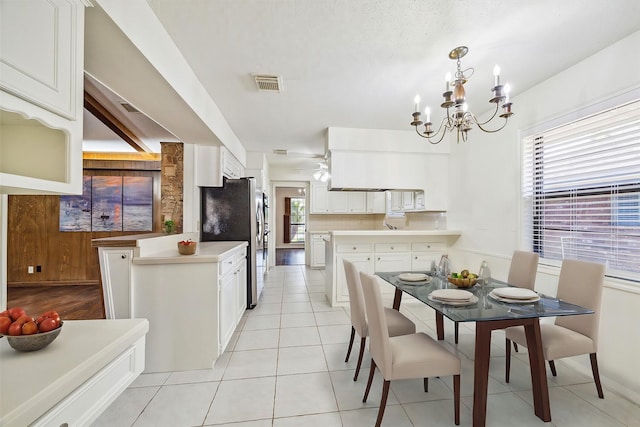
(292, 256)
(73, 302)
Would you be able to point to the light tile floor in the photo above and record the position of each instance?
(285, 367)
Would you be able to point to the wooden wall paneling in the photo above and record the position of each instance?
(26, 237)
(34, 238)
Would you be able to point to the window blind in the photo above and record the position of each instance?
(581, 191)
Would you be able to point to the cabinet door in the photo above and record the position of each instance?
(422, 261)
(319, 198)
(227, 309)
(392, 262)
(407, 200)
(362, 261)
(357, 202)
(317, 250)
(419, 201)
(115, 267)
(376, 202)
(42, 53)
(241, 284)
(338, 202)
(396, 200)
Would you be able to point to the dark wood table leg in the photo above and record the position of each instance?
(439, 325)
(481, 373)
(397, 298)
(538, 371)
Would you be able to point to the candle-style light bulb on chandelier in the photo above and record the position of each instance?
(458, 117)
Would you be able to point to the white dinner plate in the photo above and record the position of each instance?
(513, 301)
(457, 295)
(515, 293)
(413, 277)
(472, 300)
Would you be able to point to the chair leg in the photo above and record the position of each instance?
(360, 356)
(426, 385)
(515, 346)
(353, 335)
(596, 374)
(552, 365)
(371, 372)
(456, 399)
(383, 402)
(455, 332)
(507, 366)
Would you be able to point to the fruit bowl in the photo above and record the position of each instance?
(187, 247)
(33, 342)
(462, 282)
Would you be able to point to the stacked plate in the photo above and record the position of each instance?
(514, 295)
(453, 297)
(414, 278)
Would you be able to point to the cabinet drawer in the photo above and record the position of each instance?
(426, 247)
(226, 266)
(392, 247)
(88, 401)
(354, 247)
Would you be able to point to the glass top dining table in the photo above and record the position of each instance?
(491, 314)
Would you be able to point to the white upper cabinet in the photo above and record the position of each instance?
(339, 202)
(41, 96)
(42, 43)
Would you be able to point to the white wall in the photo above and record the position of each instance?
(484, 201)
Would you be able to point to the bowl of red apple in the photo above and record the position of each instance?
(26, 333)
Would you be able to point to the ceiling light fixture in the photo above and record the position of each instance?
(458, 117)
(322, 174)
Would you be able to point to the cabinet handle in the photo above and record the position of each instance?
(378, 258)
(368, 259)
(354, 248)
(391, 247)
(428, 246)
(416, 258)
(123, 256)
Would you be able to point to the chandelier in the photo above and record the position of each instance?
(458, 117)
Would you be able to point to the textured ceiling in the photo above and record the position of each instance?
(359, 63)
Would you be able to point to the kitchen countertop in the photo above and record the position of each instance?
(395, 233)
(206, 252)
(34, 382)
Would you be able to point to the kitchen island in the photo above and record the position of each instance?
(381, 250)
(75, 378)
(193, 302)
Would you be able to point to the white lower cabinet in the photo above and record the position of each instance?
(317, 258)
(425, 255)
(386, 251)
(362, 261)
(115, 270)
(389, 261)
(232, 297)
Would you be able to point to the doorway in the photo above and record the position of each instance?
(290, 224)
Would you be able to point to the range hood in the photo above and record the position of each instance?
(375, 171)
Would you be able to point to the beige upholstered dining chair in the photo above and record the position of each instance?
(580, 283)
(397, 323)
(405, 356)
(522, 273)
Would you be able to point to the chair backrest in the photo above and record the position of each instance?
(379, 346)
(523, 269)
(356, 299)
(581, 283)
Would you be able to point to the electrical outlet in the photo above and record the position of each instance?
(38, 269)
(30, 269)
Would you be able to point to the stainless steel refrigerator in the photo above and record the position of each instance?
(234, 212)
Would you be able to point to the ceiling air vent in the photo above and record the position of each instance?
(130, 108)
(268, 83)
(280, 152)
